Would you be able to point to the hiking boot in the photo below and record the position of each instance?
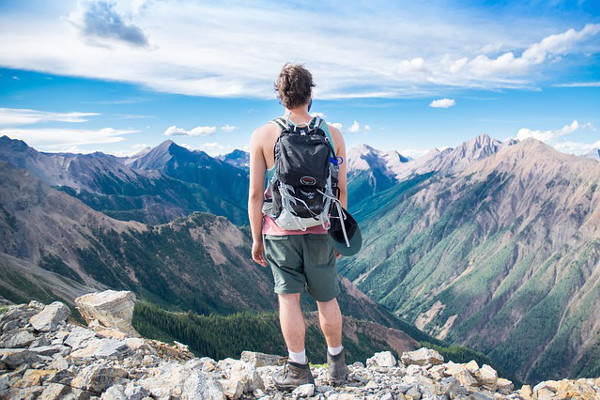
(336, 366)
(293, 375)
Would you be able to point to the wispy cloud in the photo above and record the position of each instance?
(197, 131)
(577, 148)
(356, 127)
(548, 135)
(578, 84)
(228, 128)
(442, 103)
(189, 47)
(58, 139)
(24, 116)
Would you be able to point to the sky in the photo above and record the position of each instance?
(117, 76)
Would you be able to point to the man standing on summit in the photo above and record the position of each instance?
(290, 228)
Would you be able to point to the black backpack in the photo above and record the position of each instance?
(304, 185)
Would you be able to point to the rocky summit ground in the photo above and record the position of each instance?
(46, 355)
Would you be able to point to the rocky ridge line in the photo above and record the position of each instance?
(45, 355)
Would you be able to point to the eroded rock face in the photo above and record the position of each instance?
(74, 362)
(109, 309)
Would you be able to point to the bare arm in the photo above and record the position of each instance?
(340, 148)
(255, 197)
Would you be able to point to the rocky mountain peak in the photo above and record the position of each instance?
(44, 354)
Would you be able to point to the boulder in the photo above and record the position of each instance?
(20, 339)
(505, 386)
(232, 389)
(97, 378)
(54, 391)
(422, 356)
(257, 359)
(382, 359)
(247, 375)
(14, 358)
(50, 317)
(78, 337)
(111, 309)
(306, 390)
(100, 349)
(177, 380)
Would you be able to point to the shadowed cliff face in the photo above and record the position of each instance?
(503, 256)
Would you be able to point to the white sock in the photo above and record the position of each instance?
(299, 358)
(334, 351)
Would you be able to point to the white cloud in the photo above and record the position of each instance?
(16, 78)
(54, 139)
(413, 153)
(197, 131)
(192, 50)
(354, 128)
(24, 116)
(412, 66)
(537, 53)
(442, 103)
(228, 128)
(318, 114)
(545, 136)
(577, 148)
(336, 125)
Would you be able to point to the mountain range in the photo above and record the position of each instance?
(491, 244)
(501, 254)
(153, 186)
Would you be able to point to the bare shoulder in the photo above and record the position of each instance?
(337, 136)
(264, 133)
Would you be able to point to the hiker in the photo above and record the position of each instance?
(301, 255)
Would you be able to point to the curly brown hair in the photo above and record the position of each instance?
(294, 85)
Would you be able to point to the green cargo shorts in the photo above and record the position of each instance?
(303, 261)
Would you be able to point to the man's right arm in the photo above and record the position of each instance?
(255, 195)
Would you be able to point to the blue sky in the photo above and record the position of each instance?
(107, 76)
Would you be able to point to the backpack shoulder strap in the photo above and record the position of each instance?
(325, 128)
(280, 122)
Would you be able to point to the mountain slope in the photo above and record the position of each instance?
(503, 256)
(199, 262)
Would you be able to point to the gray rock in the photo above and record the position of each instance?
(306, 390)
(257, 359)
(414, 393)
(177, 380)
(115, 392)
(54, 391)
(232, 389)
(78, 337)
(135, 392)
(97, 378)
(50, 350)
(423, 356)
(50, 317)
(101, 348)
(22, 338)
(247, 375)
(14, 358)
(382, 359)
(112, 309)
(58, 362)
